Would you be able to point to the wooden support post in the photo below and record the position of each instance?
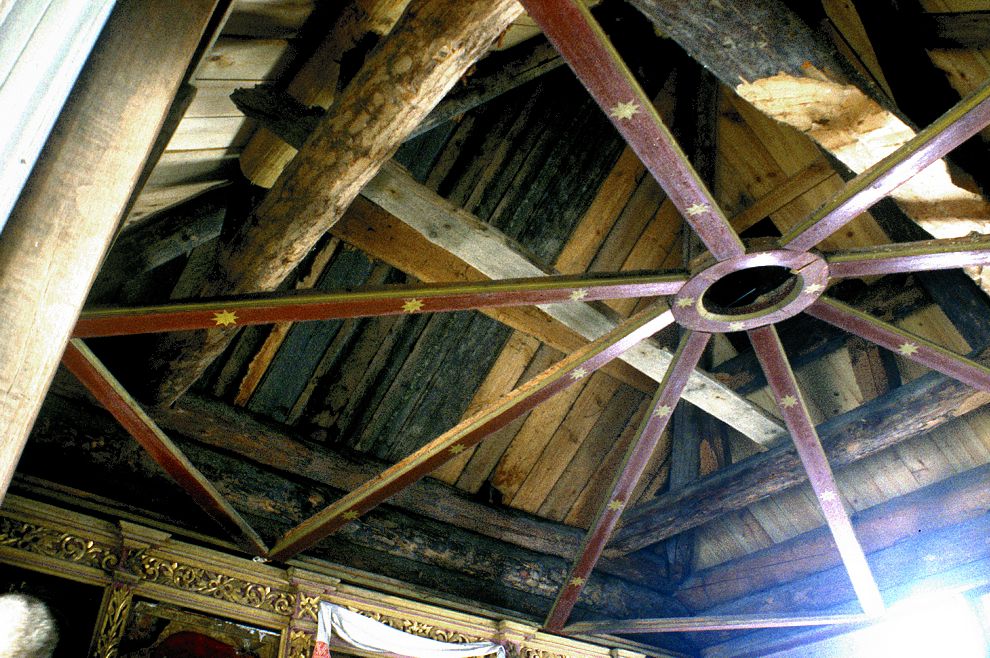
(68, 213)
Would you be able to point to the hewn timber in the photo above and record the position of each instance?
(775, 61)
(956, 557)
(496, 256)
(409, 546)
(922, 404)
(936, 506)
(412, 69)
(70, 208)
(962, 29)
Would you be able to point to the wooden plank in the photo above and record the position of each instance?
(498, 257)
(233, 58)
(60, 229)
(315, 190)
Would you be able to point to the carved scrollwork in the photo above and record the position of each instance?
(309, 607)
(213, 584)
(118, 606)
(301, 644)
(417, 628)
(59, 545)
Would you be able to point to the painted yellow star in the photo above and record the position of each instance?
(813, 288)
(684, 302)
(829, 496)
(412, 305)
(624, 110)
(616, 505)
(457, 449)
(579, 294)
(661, 411)
(578, 373)
(225, 318)
(577, 581)
(349, 515)
(698, 208)
(907, 349)
(788, 401)
(736, 326)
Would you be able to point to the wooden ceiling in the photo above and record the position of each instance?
(500, 165)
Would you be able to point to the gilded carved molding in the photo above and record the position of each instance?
(113, 619)
(301, 644)
(52, 543)
(417, 627)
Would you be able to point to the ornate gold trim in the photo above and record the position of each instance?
(113, 617)
(301, 644)
(52, 543)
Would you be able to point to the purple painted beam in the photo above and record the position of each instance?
(919, 256)
(726, 623)
(82, 363)
(393, 300)
(689, 352)
(770, 352)
(580, 40)
(903, 343)
(967, 118)
(471, 431)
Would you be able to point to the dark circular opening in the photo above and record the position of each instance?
(750, 290)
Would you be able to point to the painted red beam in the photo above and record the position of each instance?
(568, 24)
(919, 256)
(903, 343)
(296, 306)
(471, 431)
(107, 390)
(726, 623)
(783, 384)
(967, 118)
(689, 352)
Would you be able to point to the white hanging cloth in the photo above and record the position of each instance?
(361, 632)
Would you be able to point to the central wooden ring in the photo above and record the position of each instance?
(809, 278)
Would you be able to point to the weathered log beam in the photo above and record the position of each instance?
(69, 211)
(98, 456)
(406, 76)
(922, 404)
(951, 501)
(956, 557)
(776, 62)
(221, 426)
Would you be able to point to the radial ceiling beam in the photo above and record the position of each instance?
(68, 213)
(789, 400)
(568, 24)
(409, 72)
(635, 461)
(967, 118)
(471, 431)
(713, 623)
(921, 256)
(906, 344)
(81, 361)
(394, 300)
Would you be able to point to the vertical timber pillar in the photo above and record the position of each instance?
(69, 211)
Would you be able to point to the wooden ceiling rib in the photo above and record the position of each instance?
(520, 219)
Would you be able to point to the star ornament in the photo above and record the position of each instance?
(616, 505)
(829, 496)
(579, 294)
(578, 373)
(412, 305)
(456, 449)
(908, 349)
(684, 302)
(661, 411)
(225, 318)
(736, 326)
(624, 110)
(698, 209)
(813, 288)
(788, 401)
(577, 581)
(349, 515)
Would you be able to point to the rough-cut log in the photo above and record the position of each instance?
(220, 426)
(763, 50)
(952, 558)
(92, 443)
(920, 405)
(66, 217)
(413, 68)
(936, 506)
